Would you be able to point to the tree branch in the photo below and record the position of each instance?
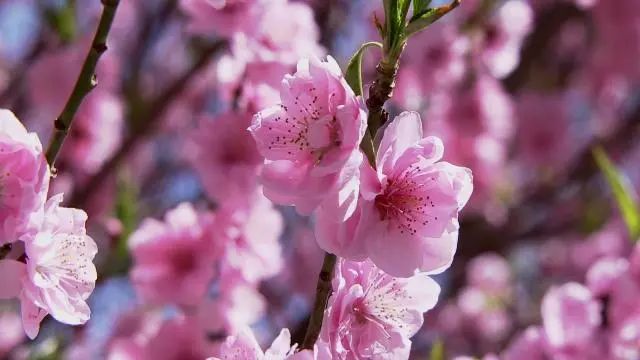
(149, 121)
(323, 291)
(85, 83)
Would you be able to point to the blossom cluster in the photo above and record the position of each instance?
(49, 264)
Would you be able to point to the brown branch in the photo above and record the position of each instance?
(548, 23)
(150, 120)
(85, 83)
(323, 291)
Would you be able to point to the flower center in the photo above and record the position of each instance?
(183, 260)
(404, 203)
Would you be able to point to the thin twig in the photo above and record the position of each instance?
(149, 121)
(323, 291)
(86, 80)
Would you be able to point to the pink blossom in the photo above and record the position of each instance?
(60, 274)
(529, 345)
(238, 304)
(150, 337)
(476, 122)
(489, 272)
(311, 140)
(604, 274)
(250, 235)
(543, 131)
(571, 316)
(486, 313)
(608, 242)
(245, 346)
(407, 218)
(625, 338)
(280, 31)
(616, 24)
(372, 314)
(616, 281)
(12, 333)
(442, 49)
(258, 82)
(173, 260)
(225, 156)
(503, 37)
(222, 16)
(24, 178)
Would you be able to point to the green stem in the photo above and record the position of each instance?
(323, 291)
(85, 83)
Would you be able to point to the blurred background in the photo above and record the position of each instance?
(520, 91)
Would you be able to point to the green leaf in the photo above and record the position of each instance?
(437, 351)
(621, 191)
(353, 74)
(421, 19)
(420, 6)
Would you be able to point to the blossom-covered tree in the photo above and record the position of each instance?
(319, 179)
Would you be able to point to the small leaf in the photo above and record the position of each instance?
(621, 191)
(420, 20)
(420, 7)
(437, 351)
(404, 10)
(353, 74)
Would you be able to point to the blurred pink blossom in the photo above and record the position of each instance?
(238, 304)
(442, 50)
(245, 346)
(571, 317)
(173, 259)
(503, 37)
(544, 127)
(476, 121)
(149, 337)
(249, 236)
(12, 333)
(490, 272)
(224, 17)
(225, 156)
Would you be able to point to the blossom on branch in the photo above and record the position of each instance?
(311, 140)
(407, 217)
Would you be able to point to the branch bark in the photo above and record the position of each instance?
(323, 291)
(86, 80)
